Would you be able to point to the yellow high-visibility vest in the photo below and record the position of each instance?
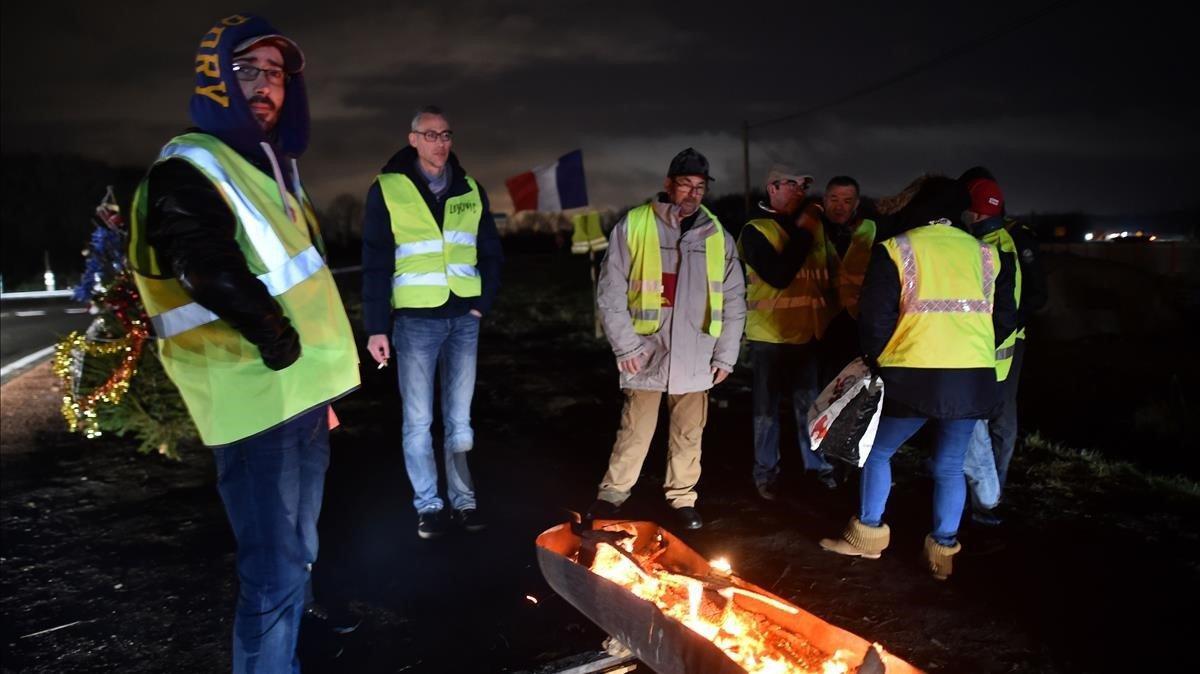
(587, 235)
(852, 268)
(645, 272)
(947, 292)
(432, 262)
(229, 393)
(1003, 241)
(802, 310)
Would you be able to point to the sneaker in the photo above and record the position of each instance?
(768, 491)
(470, 520)
(334, 619)
(690, 517)
(430, 524)
(602, 510)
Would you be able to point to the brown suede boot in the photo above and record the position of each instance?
(859, 540)
(939, 559)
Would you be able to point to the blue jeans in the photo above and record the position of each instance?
(994, 440)
(949, 487)
(449, 346)
(780, 368)
(272, 486)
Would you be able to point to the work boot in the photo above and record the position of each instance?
(938, 558)
(860, 540)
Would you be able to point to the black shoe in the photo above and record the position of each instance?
(768, 490)
(335, 619)
(690, 517)
(470, 520)
(430, 524)
(602, 510)
(317, 645)
(987, 518)
(827, 480)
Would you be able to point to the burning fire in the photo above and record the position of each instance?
(752, 641)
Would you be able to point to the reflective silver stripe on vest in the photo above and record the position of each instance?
(434, 279)
(1005, 353)
(263, 239)
(460, 238)
(717, 314)
(646, 286)
(278, 281)
(418, 248)
(462, 270)
(644, 314)
(908, 286)
(715, 287)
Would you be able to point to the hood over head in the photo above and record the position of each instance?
(218, 106)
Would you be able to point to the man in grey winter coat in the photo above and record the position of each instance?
(672, 301)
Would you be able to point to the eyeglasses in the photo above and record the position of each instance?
(248, 73)
(794, 184)
(434, 136)
(699, 188)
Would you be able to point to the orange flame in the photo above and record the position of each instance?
(750, 640)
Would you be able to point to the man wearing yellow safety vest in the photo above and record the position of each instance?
(790, 299)
(935, 305)
(431, 270)
(995, 438)
(229, 262)
(850, 236)
(670, 296)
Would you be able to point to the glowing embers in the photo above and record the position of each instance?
(707, 606)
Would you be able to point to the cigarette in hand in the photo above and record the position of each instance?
(382, 364)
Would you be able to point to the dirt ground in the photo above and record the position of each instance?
(131, 555)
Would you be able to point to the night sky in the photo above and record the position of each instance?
(1081, 109)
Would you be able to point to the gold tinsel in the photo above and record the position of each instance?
(80, 410)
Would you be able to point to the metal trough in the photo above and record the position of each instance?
(664, 644)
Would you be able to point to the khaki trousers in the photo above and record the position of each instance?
(639, 417)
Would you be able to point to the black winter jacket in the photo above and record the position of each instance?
(379, 248)
(191, 229)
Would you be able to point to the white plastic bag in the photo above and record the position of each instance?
(843, 420)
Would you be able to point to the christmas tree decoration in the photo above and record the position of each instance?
(111, 378)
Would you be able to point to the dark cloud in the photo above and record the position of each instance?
(1080, 109)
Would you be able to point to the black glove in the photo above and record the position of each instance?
(284, 349)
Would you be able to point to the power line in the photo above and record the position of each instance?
(920, 67)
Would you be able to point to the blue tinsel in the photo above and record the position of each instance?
(105, 260)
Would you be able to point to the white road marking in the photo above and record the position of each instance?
(27, 314)
(78, 310)
(27, 360)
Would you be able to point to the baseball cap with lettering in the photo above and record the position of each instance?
(986, 197)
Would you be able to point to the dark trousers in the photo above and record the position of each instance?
(1002, 426)
(781, 369)
(272, 485)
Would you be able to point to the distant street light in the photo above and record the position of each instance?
(1088, 236)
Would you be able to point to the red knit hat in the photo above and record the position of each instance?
(986, 197)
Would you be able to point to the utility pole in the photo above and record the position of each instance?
(746, 163)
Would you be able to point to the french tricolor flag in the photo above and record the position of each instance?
(550, 188)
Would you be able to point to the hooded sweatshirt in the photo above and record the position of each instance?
(188, 221)
(379, 247)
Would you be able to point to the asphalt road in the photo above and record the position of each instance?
(28, 326)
